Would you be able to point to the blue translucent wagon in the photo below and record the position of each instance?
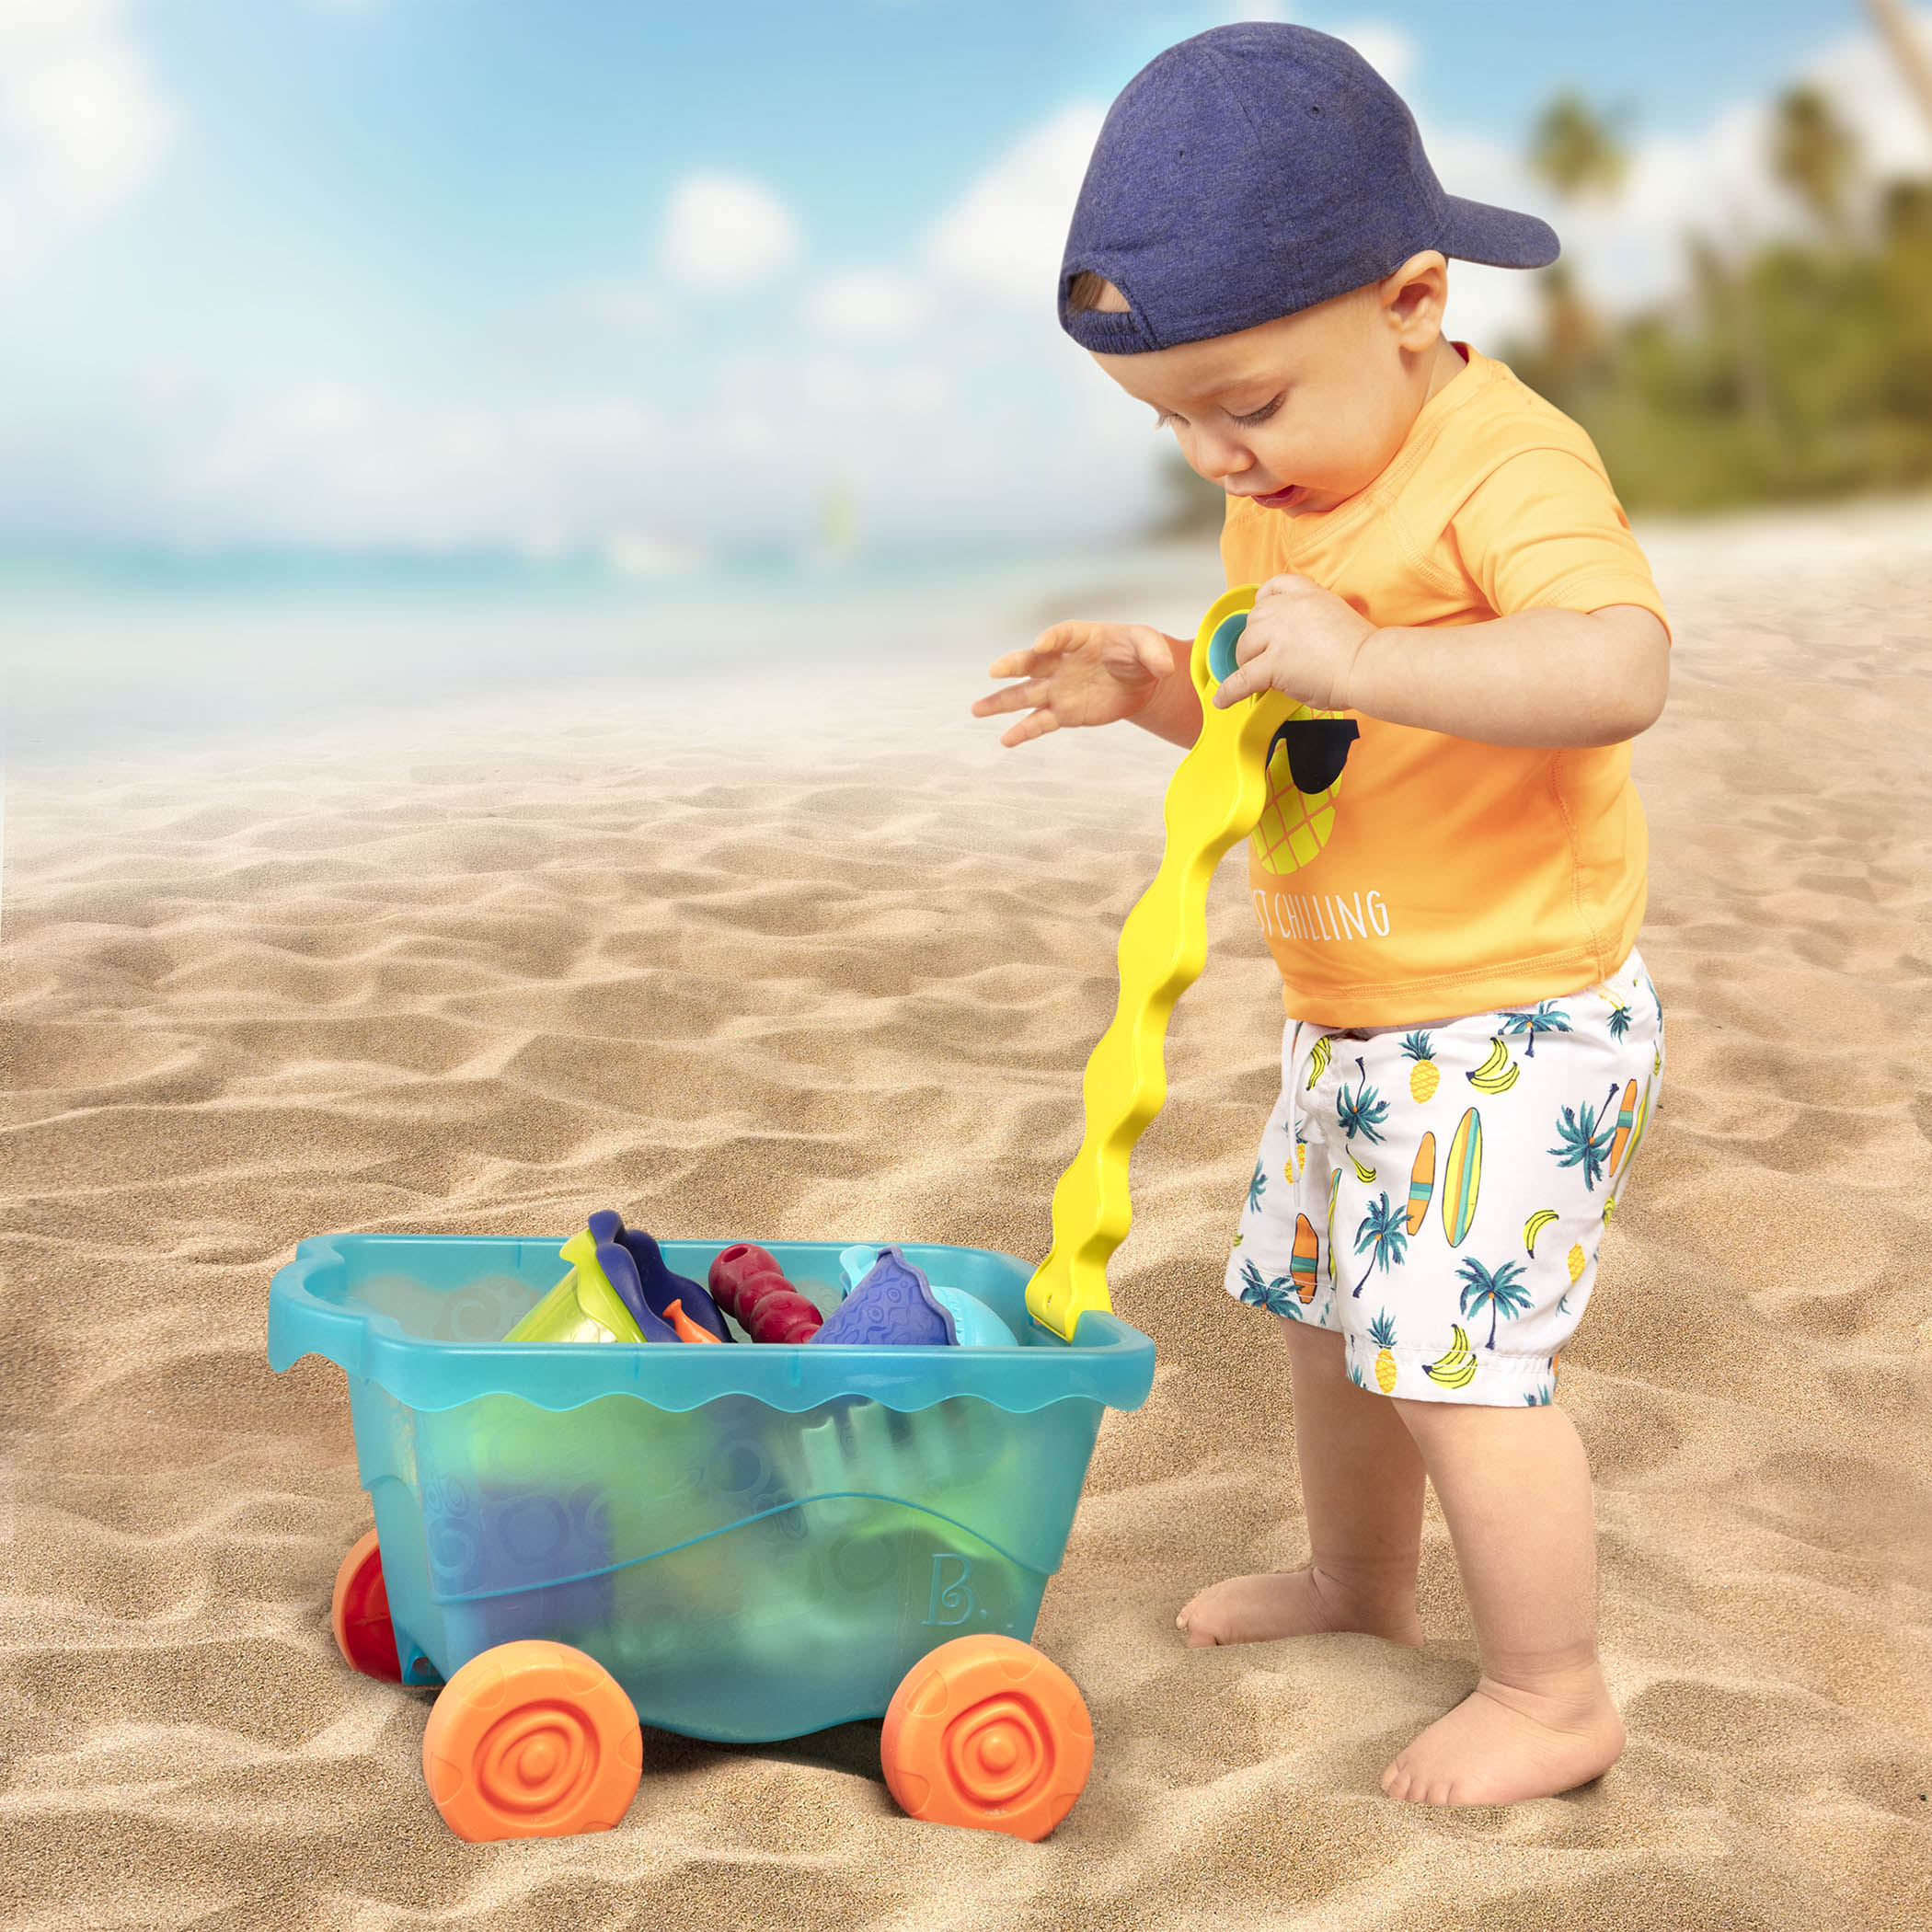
(745, 1543)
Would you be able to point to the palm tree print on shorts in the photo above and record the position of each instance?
(1500, 1290)
(1363, 1111)
(1546, 1016)
(1383, 1237)
(1586, 1142)
(1257, 1186)
(1277, 1295)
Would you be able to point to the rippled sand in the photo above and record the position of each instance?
(816, 957)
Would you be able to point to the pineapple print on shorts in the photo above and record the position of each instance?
(1425, 1075)
(1296, 824)
(1382, 1334)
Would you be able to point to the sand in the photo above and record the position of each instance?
(808, 955)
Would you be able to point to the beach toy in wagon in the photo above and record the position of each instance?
(749, 1285)
(969, 1321)
(618, 1289)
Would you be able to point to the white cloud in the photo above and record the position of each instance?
(77, 97)
(1387, 47)
(724, 233)
(869, 305)
(1005, 235)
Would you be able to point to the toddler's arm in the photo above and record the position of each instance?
(1537, 677)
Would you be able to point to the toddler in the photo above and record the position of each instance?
(1449, 870)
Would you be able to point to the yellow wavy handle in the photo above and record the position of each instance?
(1214, 798)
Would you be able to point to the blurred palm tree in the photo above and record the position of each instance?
(1815, 155)
(1577, 151)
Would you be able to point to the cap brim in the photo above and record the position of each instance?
(1474, 230)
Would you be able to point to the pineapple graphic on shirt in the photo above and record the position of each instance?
(1295, 825)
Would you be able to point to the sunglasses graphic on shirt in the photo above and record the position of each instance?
(1317, 748)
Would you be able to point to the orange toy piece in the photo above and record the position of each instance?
(359, 1614)
(688, 1329)
(531, 1740)
(985, 1731)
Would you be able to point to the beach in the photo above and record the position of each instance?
(778, 943)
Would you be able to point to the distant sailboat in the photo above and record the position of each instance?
(836, 543)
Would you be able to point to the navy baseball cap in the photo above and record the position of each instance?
(1256, 170)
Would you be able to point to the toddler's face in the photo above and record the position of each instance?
(1305, 411)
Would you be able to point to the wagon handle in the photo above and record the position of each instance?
(1214, 798)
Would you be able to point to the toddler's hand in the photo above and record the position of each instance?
(1079, 673)
(1300, 640)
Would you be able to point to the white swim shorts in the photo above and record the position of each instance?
(1437, 1192)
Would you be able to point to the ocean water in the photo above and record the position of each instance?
(113, 654)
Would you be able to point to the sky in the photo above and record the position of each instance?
(653, 281)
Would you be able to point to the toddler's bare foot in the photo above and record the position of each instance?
(1298, 1603)
(1500, 1745)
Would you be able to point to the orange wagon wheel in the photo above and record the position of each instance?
(531, 1740)
(985, 1731)
(359, 1613)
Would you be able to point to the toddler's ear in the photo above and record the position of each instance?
(1413, 299)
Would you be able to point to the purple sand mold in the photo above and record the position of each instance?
(661, 1287)
(658, 1286)
(894, 1306)
(621, 1272)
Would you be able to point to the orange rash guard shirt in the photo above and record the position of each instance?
(1437, 876)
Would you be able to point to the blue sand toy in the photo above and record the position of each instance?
(974, 1325)
(856, 1263)
(894, 1306)
(660, 1288)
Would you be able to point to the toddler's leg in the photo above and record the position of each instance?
(1362, 1485)
(1515, 1487)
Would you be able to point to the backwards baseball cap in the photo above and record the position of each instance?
(1253, 171)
